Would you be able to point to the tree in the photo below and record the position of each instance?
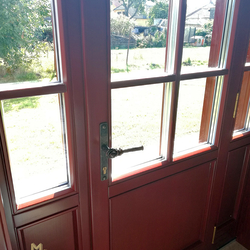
(121, 25)
(160, 10)
(132, 7)
(206, 31)
(19, 22)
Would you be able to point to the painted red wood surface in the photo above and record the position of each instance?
(44, 220)
(213, 62)
(233, 173)
(56, 232)
(168, 214)
(5, 243)
(244, 225)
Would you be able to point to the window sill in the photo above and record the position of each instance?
(43, 196)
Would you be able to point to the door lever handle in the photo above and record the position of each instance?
(113, 152)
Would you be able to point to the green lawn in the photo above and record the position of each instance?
(34, 137)
(34, 131)
(147, 59)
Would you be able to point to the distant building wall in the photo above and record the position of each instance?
(120, 42)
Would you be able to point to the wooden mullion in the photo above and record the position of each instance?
(204, 74)
(142, 81)
(213, 62)
(170, 9)
(17, 91)
(177, 69)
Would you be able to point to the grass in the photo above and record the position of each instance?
(33, 124)
(20, 103)
(148, 59)
(34, 136)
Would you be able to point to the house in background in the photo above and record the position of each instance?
(141, 19)
(196, 18)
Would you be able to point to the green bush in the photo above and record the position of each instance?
(157, 40)
(20, 103)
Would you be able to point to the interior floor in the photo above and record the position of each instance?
(234, 245)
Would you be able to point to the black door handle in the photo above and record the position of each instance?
(113, 152)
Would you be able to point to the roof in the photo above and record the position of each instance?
(120, 7)
(200, 15)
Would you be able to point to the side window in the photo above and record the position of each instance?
(32, 100)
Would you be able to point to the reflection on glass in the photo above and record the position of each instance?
(35, 135)
(138, 37)
(242, 115)
(136, 121)
(198, 34)
(26, 42)
(189, 114)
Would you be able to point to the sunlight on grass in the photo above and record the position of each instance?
(35, 143)
(150, 59)
(43, 69)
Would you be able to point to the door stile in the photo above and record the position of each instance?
(96, 94)
(75, 76)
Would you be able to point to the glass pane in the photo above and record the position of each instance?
(138, 37)
(35, 132)
(242, 115)
(136, 121)
(27, 51)
(198, 41)
(189, 114)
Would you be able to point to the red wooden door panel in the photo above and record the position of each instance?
(56, 232)
(244, 225)
(234, 172)
(167, 214)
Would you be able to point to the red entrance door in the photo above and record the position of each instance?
(181, 189)
(176, 100)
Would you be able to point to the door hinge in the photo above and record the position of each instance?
(214, 235)
(236, 104)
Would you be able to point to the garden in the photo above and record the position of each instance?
(35, 137)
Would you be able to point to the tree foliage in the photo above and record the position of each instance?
(20, 20)
(159, 10)
(206, 29)
(121, 25)
(133, 7)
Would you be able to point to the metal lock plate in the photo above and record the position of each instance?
(104, 135)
